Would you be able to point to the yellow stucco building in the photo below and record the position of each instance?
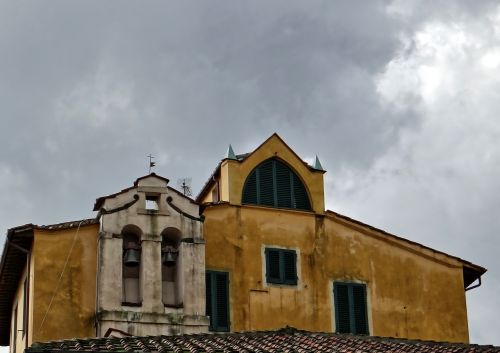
(258, 233)
(384, 285)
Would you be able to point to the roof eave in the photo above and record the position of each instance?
(12, 256)
(476, 270)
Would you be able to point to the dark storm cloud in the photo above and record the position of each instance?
(88, 89)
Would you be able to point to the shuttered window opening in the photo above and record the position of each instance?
(281, 266)
(350, 308)
(217, 300)
(274, 184)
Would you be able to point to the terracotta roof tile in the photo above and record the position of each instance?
(71, 224)
(284, 340)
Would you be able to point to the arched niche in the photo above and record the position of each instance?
(170, 268)
(131, 264)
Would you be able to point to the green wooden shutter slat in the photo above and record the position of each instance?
(208, 298)
(283, 186)
(290, 267)
(342, 318)
(217, 300)
(360, 315)
(266, 183)
(250, 189)
(273, 272)
(301, 200)
(222, 306)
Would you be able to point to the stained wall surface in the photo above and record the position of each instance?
(64, 286)
(412, 291)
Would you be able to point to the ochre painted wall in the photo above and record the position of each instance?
(411, 293)
(71, 313)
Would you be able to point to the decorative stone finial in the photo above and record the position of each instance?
(317, 164)
(230, 153)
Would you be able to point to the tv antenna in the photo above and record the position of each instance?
(185, 185)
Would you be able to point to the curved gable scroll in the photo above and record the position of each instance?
(272, 183)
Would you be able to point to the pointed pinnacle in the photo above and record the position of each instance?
(317, 164)
(230, 153)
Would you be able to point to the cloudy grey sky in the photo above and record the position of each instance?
(399, 99)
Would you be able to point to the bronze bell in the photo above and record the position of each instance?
(169, 257)
(131, 258)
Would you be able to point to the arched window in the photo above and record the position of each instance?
(171, 289)
(274, 184)
(131, 264)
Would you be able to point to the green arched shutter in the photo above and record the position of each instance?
(266, 183)
(250, 190)
(283, 186)
(301, 201)
(274, 184)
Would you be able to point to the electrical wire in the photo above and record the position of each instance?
(60, 278)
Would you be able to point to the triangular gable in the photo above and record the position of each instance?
(275, 140)
(139, 181)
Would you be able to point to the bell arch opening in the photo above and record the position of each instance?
(131, 264)
(170, 267)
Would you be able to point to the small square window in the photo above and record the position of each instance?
(152, 202)
(281, 266)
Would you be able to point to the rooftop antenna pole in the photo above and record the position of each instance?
(151, 163)
(185, 185)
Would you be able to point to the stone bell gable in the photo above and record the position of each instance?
(151, 272)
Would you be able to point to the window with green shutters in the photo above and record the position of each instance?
(350, 308)
(217, 300)
(281, 266)
(274, 184)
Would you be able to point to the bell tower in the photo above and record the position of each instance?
(151, 270)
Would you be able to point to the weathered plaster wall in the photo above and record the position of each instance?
(412, 291)
(409, 295)
(151, 316)
(71, 313)
(416, 293)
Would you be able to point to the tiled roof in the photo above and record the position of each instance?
(68, 225)
(284, 340)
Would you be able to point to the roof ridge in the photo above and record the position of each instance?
(261, 335)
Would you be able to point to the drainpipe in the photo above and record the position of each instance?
(27, 299)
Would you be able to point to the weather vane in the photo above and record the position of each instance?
(151, 163)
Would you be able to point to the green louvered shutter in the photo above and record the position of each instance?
(208, 298)
(283, 185)
(342, 317)
(274, 184)
(300, 198)
(266, 183)
(222, 301)
(359, 307)
(217, 300)
(250, 189)
(289, 266)
(273, 273)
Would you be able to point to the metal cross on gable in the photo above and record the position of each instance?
(151, 163)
